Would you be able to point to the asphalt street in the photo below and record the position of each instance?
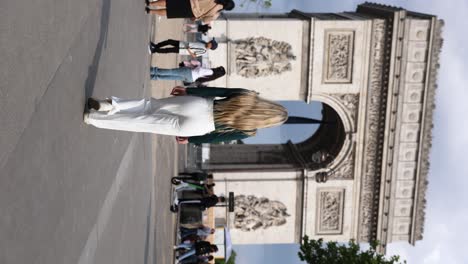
(71, 193)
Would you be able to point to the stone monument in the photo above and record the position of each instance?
(362, 174)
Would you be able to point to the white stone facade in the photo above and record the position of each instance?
(377, 69)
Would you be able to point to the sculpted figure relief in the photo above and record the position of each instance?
(251, 213)
(259, 57)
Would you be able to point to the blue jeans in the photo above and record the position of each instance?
(187, 254)
(176, 74)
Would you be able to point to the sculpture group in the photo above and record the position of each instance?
(252, 213)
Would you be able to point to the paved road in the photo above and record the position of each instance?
(70, 193)
(166, 152)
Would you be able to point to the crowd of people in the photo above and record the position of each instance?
(193, 247)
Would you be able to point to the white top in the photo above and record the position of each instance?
(197, 48)
(201, 72)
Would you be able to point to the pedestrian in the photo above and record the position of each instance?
(204, 10)
(188, 74)
(203, 203)
(202, 232)
(199, 248)
(202, 188)
(193, 115)
(192, 49)
(197, 28)
(194, 177)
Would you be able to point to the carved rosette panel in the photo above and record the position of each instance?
(339, 49)
(351, 104)
(252, 213)
(330, 211)
(372, 130)
(261, 57)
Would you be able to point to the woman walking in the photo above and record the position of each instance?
(204, 10)
(192, 71)
(193, 115)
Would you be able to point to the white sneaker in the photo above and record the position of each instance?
(86, 118)
(104, 105)
(149, 49)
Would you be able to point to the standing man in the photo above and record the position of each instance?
(194, 234)
(193, 49)
(203, 203)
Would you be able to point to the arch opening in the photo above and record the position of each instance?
(289, 147)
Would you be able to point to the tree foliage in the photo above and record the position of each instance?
(231, 260)
(319, 252)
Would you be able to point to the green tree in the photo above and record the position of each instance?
(318, 252)
(231, 260)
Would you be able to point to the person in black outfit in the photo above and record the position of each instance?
(199, 248)
(197, 176)
(193, 49)
(203, 203)
(197, 28)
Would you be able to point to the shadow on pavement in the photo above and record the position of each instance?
(148, 229)
(93, 68)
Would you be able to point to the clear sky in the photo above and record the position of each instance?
(445, 237)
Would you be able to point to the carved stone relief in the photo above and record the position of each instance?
(252, 213)
(330, 211)
(260, 57)
(339, 47)
(351, 103)
(372, 130)
(346, 169)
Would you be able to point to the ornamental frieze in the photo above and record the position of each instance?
(372, 131)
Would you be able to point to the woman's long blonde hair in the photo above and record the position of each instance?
(248, 112)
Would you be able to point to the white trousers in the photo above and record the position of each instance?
(183, 116)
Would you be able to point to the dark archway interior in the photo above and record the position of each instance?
(324, 145)
(316, 152)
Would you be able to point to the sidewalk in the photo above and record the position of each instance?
(167, 155)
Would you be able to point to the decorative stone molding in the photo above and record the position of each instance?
(260, 57)
(330, 211)
(426, 143)
(351, 104)
(372, 130)
(346, 170)
(339, 49)
(252, 213)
